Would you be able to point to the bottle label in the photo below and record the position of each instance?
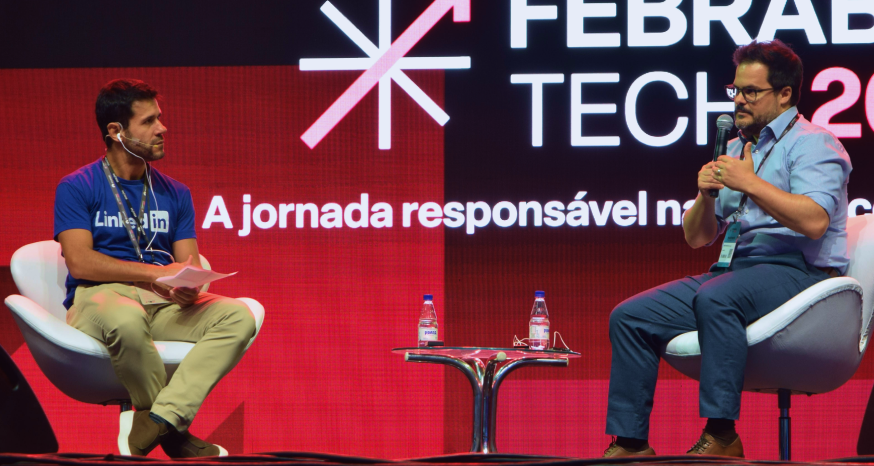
(427, 334)
(538, 332)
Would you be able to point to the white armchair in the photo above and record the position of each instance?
(75, 363)
(811, 344)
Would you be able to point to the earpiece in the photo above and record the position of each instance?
(118, 136)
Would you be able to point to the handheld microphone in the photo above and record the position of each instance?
(723, 125)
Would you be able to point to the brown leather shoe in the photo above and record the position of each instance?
(143, 434)
(615, 451)
(708, 445)
(184, 445)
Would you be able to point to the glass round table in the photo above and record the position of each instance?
(485, 369)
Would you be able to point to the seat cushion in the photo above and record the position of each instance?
(811, 344)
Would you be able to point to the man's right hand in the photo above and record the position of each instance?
(707, 180)
(170, 270)
(699, 222)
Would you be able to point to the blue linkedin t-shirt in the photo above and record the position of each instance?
(84, 200)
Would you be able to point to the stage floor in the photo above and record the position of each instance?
(303, 458)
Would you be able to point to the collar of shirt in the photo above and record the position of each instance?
(775, 127)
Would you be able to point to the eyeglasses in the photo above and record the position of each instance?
(750, 93)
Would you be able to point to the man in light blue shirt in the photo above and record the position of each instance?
(810, 163)
(783, 196)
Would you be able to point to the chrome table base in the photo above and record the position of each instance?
(485, 379)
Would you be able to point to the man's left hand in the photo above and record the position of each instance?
(184, 296)
(737, 174)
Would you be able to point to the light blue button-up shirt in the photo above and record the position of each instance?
(810, 161)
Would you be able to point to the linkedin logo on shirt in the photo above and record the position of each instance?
(159, 221)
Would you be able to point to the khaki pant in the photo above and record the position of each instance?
(127, 319)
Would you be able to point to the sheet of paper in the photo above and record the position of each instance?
(193, 277)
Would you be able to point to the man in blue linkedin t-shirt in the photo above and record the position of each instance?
(122, 225)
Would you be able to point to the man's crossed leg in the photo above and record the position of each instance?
(127, 319)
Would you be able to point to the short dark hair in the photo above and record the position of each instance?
(115, 103)
(784, 66)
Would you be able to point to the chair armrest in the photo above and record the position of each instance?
(684, 345)
(49, 327)
(258, 313)
(784, 315)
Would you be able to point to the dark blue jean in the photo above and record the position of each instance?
(719, 304)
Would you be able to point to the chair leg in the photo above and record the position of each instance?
(125, 423)
(784, 403)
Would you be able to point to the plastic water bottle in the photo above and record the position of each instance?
(428, 322)
(538, 326)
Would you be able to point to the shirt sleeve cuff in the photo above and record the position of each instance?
(182, 236)
(825, 200)
(721, 224)
(69, 226)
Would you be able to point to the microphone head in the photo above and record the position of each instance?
(724, 122)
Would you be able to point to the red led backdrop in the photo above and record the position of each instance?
(320, 376)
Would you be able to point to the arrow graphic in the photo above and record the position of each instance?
(410, 37)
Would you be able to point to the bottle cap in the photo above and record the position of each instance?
(429, 297)
(539, 294)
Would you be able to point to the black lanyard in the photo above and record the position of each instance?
(113, 183)
(743, 199)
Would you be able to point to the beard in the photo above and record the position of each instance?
(145, 151)
(754, 127)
